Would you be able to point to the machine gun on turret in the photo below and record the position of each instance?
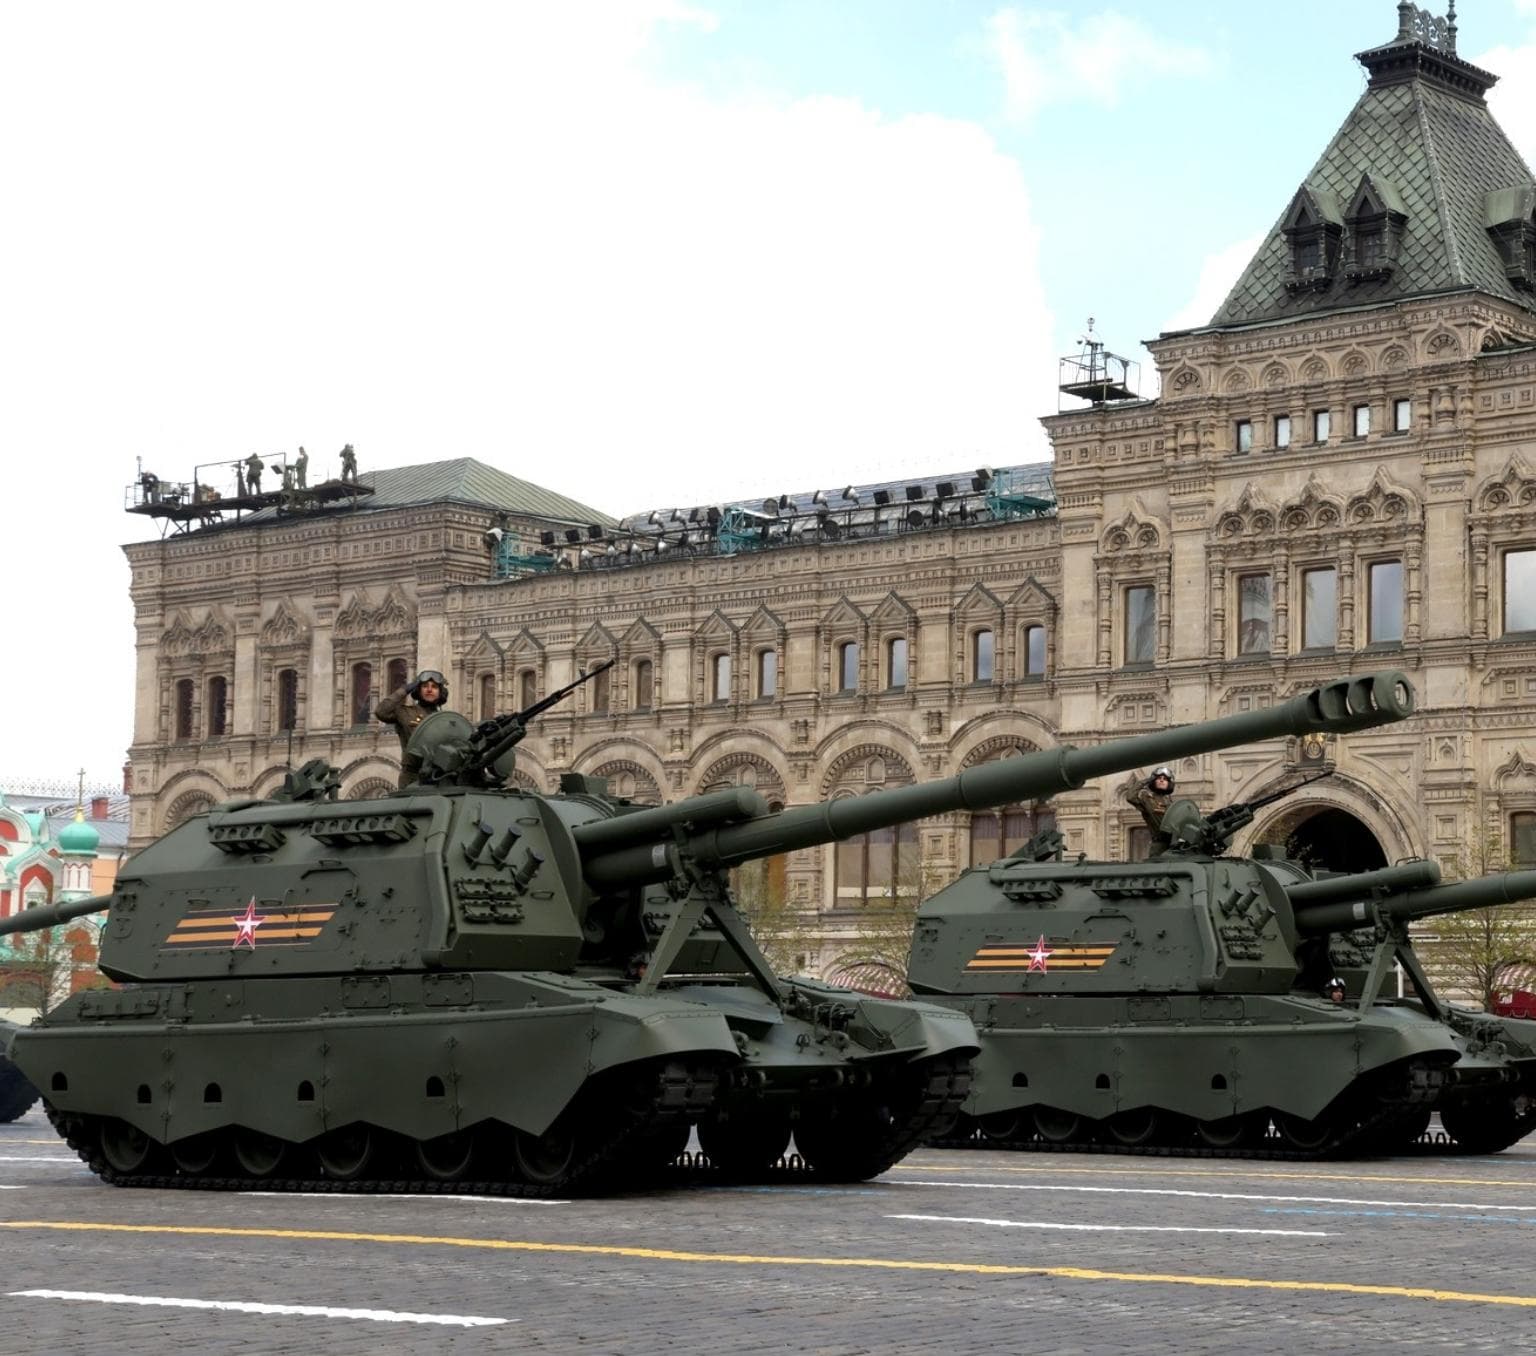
(1209, 835)
(452, 751)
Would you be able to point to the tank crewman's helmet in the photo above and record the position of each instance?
(1334, 989)
(429, 676)
(1166, 773)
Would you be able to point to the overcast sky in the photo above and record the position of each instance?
(644, 253)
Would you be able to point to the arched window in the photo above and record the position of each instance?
(981, 657)
(767, 673)
(218, 707)
(287, 699)
(848, 666)
(644, 685)
(362, 692)
(1001, 833)
(527, 689)
(896, 662)
(397, 674)
(600, 691)
(878, 866)
(487, 695)
(720, 684)
(184, 695)
(1034, 651)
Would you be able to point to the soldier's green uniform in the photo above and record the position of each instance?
(253, 469)
(1153, 804)
(406, 715)
(301, 469)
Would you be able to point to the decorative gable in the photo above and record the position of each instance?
(1375, 218)
(1510, 217)
(979, 604)
(1313, 228)
(285, 629)
(764, 624)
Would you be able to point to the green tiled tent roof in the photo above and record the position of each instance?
(1440, 149)
(467, 481)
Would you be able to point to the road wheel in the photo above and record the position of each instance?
(257, 1154)
(1134, 1128)
(126, 1148)
(1058, 1127)
(1233, 1132)
(448, 1157)
(345, 1154)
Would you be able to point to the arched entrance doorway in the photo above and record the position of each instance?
(1324, 838)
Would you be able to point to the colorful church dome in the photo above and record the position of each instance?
(79, 837)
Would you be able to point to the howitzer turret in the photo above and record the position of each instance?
(523, 992)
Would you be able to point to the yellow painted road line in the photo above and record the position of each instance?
(974, 1169)
(750, 1259)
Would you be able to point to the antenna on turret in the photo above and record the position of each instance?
(1095, 374)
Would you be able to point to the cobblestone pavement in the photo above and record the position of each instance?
(950, 1252)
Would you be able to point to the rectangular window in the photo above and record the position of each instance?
(184, 708)
(720, 684)
(218, 708)
(602, 692)
(1282, 430)
(1386, 619)
(287, 699)
(848, 666)
(1034, 651)
(1322, 424)
(1522, 840)
(1362, 420)
(1402, 415)
(1244, 441)
(767, 673)
(1140, 624)
(1138, 843)
(896, 662)
(1319, 609)
(645, 682)
(1253, 614)
(1519, 591)
(362, 693)
(527, 689)
(981, 657)
(487, 695)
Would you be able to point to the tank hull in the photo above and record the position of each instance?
(1194, 1070)
(501, 1060)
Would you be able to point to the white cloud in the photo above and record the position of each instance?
(1513, 99)
(1046, 57)
(496, 233)
(1219, 272)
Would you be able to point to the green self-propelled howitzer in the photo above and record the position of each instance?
(469, 982)
(1200, 1000)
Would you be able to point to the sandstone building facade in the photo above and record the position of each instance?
(1339, 475)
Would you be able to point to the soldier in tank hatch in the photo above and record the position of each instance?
(1153, 800)
(406, 707)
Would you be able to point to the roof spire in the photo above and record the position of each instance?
(1425, 49)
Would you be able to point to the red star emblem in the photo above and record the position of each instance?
(247, 923)
(1039, 956)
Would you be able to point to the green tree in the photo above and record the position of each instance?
(780, 930)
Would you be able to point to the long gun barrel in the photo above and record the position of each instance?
(1511, 888)
(1390, 880)
(50, 915)
(611, 856)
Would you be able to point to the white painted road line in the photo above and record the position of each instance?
(1214, 1195)
(400, 1196)
(1111, 1228)
(249, 1307)
(38, 1158)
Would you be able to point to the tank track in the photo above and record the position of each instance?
(676, 1095)
(1368, 1135)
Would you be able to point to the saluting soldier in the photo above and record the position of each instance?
(1153, 800)
(406, 707)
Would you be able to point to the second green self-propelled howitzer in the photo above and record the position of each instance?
(465, 982)
(1197, 1000)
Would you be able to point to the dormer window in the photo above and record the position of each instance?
(1510, 216)
(1313, 229)
(1375, 219)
